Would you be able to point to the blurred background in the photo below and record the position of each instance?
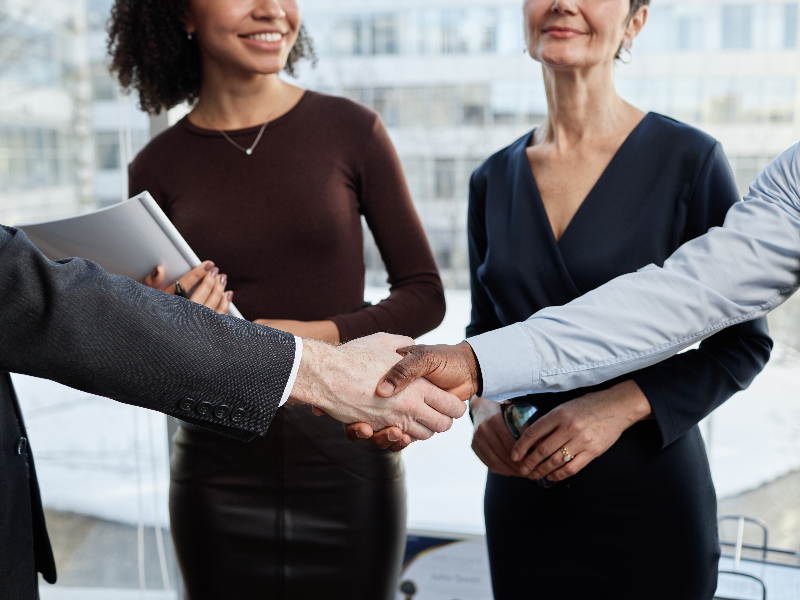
(453, 86)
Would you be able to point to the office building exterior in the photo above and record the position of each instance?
(449, 79)
(453, 85)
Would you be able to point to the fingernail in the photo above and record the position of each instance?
(361, 434)
(223, 279)
(525, 470)
(230, 296)
(214, 272)
(393, 437)
(209, 265)
(386, 389)
(515, 456)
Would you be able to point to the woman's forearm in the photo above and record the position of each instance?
(326, 331)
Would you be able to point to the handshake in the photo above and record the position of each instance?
(393, 403)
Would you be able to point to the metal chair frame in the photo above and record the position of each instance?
(738, 574)
(738, 545)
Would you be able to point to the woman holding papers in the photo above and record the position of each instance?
(270, 182)
(598, 190)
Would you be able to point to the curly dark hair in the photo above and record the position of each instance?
(152, 54)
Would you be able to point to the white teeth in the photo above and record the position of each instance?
(266, 37)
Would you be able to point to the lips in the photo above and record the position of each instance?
(562, 33)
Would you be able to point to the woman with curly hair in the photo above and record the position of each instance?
(270, 181)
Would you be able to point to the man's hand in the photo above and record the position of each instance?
(341, 381)
(452, 368)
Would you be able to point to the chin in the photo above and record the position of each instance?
(558, 60)
(268, 67)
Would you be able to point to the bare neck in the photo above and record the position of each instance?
(230, 102)
(583, 105)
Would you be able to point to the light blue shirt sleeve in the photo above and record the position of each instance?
(733, 273)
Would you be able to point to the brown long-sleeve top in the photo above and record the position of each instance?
(285, 223)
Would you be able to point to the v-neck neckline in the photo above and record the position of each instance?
(538, 194)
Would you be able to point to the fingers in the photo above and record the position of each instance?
(417, 361)
(543, 452)
(531, 436)
(391, 437)
(210, 291)
(493, 461)
(358, 431)
(572, 467)
(418, 431)
(445, 403)
(422, 413)
(193, 277)
(491, 447)
(452, 368)
(155, 279)
(555, 461)
(217, 292)
(225, 303)
(401, 444)
(387, 437)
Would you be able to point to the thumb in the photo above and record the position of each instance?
(155, 278)
(416, 363)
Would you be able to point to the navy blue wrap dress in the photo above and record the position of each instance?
(640, 520)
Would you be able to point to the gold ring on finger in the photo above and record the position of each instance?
(567, 456)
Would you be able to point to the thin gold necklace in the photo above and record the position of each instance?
(249, 151)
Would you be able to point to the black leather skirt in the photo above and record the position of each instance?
(298, 514)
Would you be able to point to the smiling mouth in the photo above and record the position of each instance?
(272, 36)
(561, 30)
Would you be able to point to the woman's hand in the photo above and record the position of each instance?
(491, 440)
(586, 427)
(206, 285)
(326, 331)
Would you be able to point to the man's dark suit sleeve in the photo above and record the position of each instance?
(72, 322)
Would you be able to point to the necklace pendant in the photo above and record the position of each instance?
(249, 151)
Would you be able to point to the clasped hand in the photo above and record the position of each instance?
(586, 426)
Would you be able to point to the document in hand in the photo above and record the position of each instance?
(129, 238)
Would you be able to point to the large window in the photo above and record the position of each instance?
(737, 26)
(790, 25)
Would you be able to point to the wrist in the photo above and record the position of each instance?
(309, 385)
(638, 406)
(471, 360)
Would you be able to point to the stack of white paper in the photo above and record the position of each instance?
(129, 238)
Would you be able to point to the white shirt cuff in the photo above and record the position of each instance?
(298, 354)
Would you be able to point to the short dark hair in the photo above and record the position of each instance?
(635, 6)
(151, 52)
